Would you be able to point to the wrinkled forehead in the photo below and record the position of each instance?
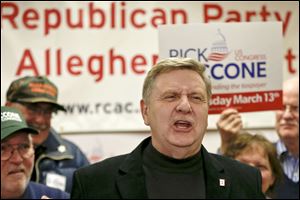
(180, 76)
(183, 80)
(17, 138)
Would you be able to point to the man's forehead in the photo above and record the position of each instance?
(180, 90)
(17, 138)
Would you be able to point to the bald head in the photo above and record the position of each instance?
(287, 119)
(291, 84)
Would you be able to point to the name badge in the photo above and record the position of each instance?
(56, 181)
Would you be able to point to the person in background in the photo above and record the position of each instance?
(287, 147)
(229, 125)
(171, 163)
(55, 158)
(259, 152)
(17, 160)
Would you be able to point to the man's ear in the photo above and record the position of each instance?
(144, 111)
(8, 103)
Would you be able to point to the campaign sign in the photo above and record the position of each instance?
(243, 61)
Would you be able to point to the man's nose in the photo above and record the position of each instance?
(184, 105)
(287, 113)
(16, 157)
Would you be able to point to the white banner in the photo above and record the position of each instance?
(243, 61)
(98, 53)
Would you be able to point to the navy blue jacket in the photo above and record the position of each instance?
(36, 191)
(286, 189)
(58, 157)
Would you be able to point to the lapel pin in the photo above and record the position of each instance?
(222, 182)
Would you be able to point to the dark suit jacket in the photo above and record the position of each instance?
(123, 177)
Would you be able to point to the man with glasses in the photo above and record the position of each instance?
(17, 160)
(55, 158)
(287, 128)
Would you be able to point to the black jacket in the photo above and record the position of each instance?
(123, 177)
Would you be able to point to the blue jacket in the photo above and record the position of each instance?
(36, 191)
(284, 188)
(55, 162)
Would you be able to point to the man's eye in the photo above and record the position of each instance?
(295, 108)
(32, 108)
(198, 98)
(24, 146)
(170, 97)
(3, 148)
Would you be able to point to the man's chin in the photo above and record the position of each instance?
(289, 133)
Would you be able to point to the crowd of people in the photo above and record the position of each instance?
(56, 158)
(171, 163)
(287, 147)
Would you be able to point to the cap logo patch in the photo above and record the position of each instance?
(5, 116)
(43, 88)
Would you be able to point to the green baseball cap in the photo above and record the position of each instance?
(12, 121)
(33, 89)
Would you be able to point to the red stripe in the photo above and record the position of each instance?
(217, 56)
(215, 59)
(265, 100)
(220, 54)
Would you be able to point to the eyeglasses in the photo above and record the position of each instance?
(37, 110)
(294, 110)
(25, 150)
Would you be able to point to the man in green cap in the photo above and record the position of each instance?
(17, 160)
(55, 158)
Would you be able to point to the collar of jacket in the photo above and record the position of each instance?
(56, 148)
(131, 175)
